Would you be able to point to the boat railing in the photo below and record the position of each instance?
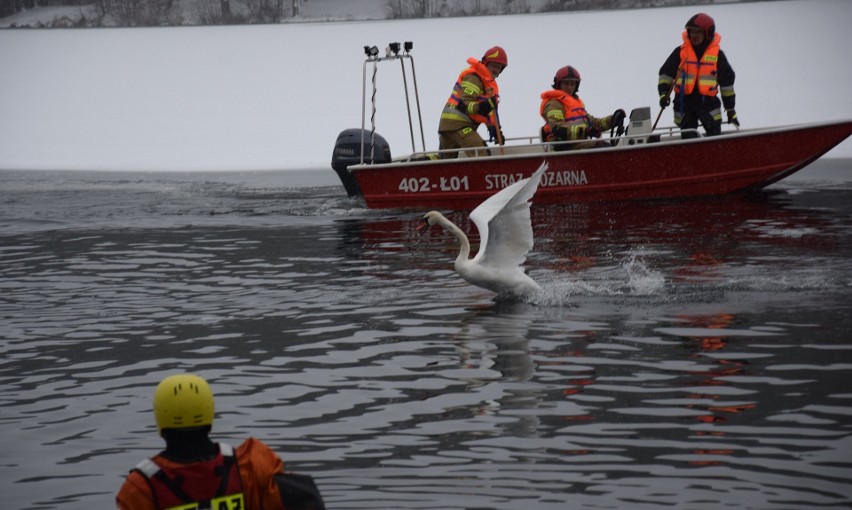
(517, 146)
(666, 133)
(526, 145)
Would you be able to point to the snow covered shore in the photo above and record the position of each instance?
(276, 96)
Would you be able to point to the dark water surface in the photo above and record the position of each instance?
(692, 355)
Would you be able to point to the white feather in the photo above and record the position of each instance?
(506, 236)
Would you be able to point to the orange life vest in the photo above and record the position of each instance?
(702, 71)
(489, 85)
(212, 484)
(573, 108)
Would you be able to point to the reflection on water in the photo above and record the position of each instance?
(689, 355)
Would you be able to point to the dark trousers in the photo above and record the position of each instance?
(694, 109)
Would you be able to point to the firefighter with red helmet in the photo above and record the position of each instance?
(699, 72)
(565, 115)
(194, 473)
(472, 102)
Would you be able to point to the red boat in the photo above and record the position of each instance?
(642, 164)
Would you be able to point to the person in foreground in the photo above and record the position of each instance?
(472, 102)
(505, 238)
(193, 472)
(697, 71)
(565, 116)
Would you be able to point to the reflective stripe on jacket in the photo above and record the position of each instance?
(210, 484)
(475, 84)
(702, 71)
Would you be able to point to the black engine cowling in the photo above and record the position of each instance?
(347, 152)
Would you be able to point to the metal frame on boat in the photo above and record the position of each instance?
(644, 163)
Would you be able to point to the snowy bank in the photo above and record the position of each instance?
(276, 96)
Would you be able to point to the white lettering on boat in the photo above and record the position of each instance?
(500, 181)
(549, 179)
(492, 181)
(564, 178)
(424, 185)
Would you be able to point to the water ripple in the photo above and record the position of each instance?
(667, 366)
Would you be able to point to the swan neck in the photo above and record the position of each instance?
(464, 252)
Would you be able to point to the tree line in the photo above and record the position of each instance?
(132, 13)
(135, 13)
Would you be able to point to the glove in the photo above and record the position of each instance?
(665, 101)
(484, 108)
(560, 132)
(492, 133)
(732, 117)
(593, 132)
(618, 118)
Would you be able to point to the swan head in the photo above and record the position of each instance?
(429, 219)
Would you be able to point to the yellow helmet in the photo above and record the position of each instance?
(183, 401)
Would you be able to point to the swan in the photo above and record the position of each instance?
(506, 235)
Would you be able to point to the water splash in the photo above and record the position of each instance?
(630, 275)
(642, 280)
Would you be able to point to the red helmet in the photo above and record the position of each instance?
(495, 54)
(703, 22)
(566, 73)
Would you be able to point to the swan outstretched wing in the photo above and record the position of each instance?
(504, 225)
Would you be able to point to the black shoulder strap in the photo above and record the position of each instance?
(225, 472)
(173, 484)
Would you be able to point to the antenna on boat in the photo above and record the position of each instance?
(392, 52)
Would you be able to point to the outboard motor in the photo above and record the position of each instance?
(348, 150)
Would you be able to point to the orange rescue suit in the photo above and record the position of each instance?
(256, 464)
(191, 485)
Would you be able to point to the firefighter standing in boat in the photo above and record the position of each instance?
(473, 102)
(565, 115)
(697, 71)
(194, 473)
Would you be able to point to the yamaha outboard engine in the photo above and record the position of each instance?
(348, 150)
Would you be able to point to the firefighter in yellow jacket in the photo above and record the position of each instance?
(698, 71)
(472, 102)
(566, 118)
(194, 473)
